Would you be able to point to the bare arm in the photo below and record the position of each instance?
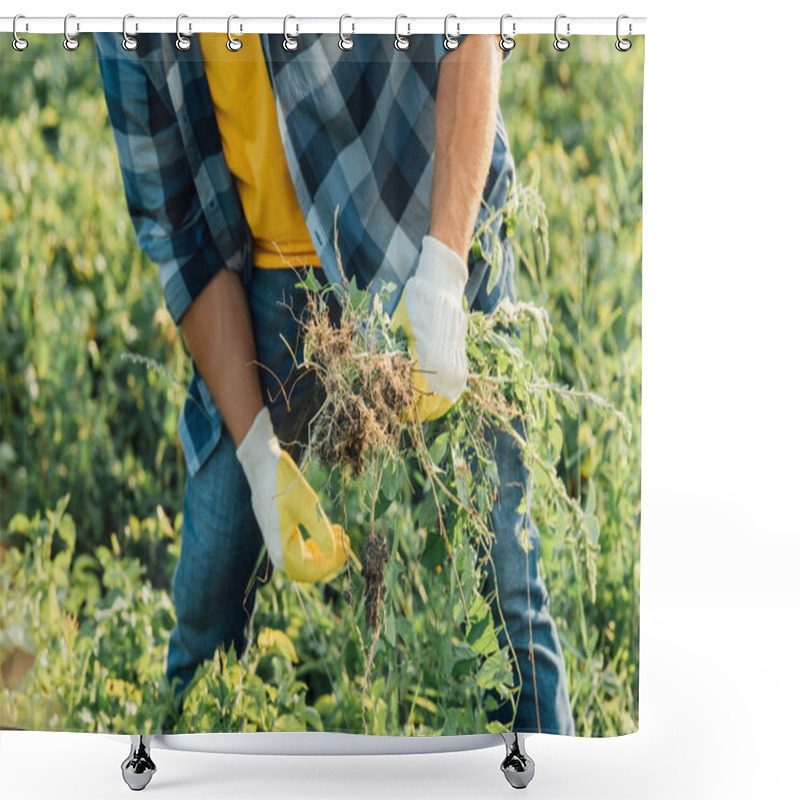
(218, 331)
(215, 320)
(466, 112)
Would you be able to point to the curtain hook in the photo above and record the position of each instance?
(401, 42)
(560, 43)
(451, 42)
(19, 44)
(233, 44)
(129, 42)
(507, 42)
(182, 42)
(345, 42)
(288, 42)
(623, 45)
(70, 42)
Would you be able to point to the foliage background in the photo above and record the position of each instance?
(84, 644)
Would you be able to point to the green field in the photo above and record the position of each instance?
(91, 471)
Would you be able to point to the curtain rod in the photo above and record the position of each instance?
(407, 25)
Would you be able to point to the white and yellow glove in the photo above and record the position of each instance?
(431, 312)
(283, 501)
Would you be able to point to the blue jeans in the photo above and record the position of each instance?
(543, 704)
(221, 539)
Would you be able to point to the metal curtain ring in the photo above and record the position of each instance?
(507, 42)
(450, 42)
(70, 42)
(182, 42)
(233, 44)
(560, 43)
(289, 43)
(401, 42)
(19, 44)
(623, 45)
(128, 42)
(345, 42)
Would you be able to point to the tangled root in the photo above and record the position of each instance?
(373, 564)
(368, 394)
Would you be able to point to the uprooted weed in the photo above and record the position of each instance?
(373, 563)
(367, 374)
(367, 377)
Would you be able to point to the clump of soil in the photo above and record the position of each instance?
(373, 563)
(368, 393)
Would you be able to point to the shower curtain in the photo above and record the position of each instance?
(320, 385)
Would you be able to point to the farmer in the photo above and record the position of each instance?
(238, 168)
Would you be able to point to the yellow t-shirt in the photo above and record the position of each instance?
(248, 124)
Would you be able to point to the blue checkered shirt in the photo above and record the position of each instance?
(358, 133)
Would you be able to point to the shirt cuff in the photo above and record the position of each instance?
(183, 282)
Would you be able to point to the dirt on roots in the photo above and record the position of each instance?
(373, 564)
(368, 394)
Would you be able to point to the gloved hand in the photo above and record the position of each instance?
(431, 313)
(283, 501)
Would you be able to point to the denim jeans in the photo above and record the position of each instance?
(221, 539)
(543, 704)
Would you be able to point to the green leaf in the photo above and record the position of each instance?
(591, 499)
(355, 295)
(592, 526)
(493, 671)
(490, 703)
(276, 641)
(310, 282)
(312, 718)
(555, 438)
(19, 523)
(481, 637)
(392, 480)
(66, 530)
(435, 552)
(439, 447)
(464, 659)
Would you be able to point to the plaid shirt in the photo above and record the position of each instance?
(358, 133)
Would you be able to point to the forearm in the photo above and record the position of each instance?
(217, 329)
(465, 119)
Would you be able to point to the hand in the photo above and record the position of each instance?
(431, 313)
(283, 501)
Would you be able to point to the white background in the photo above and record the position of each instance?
(720, 703)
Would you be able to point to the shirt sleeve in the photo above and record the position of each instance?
(160, 192)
